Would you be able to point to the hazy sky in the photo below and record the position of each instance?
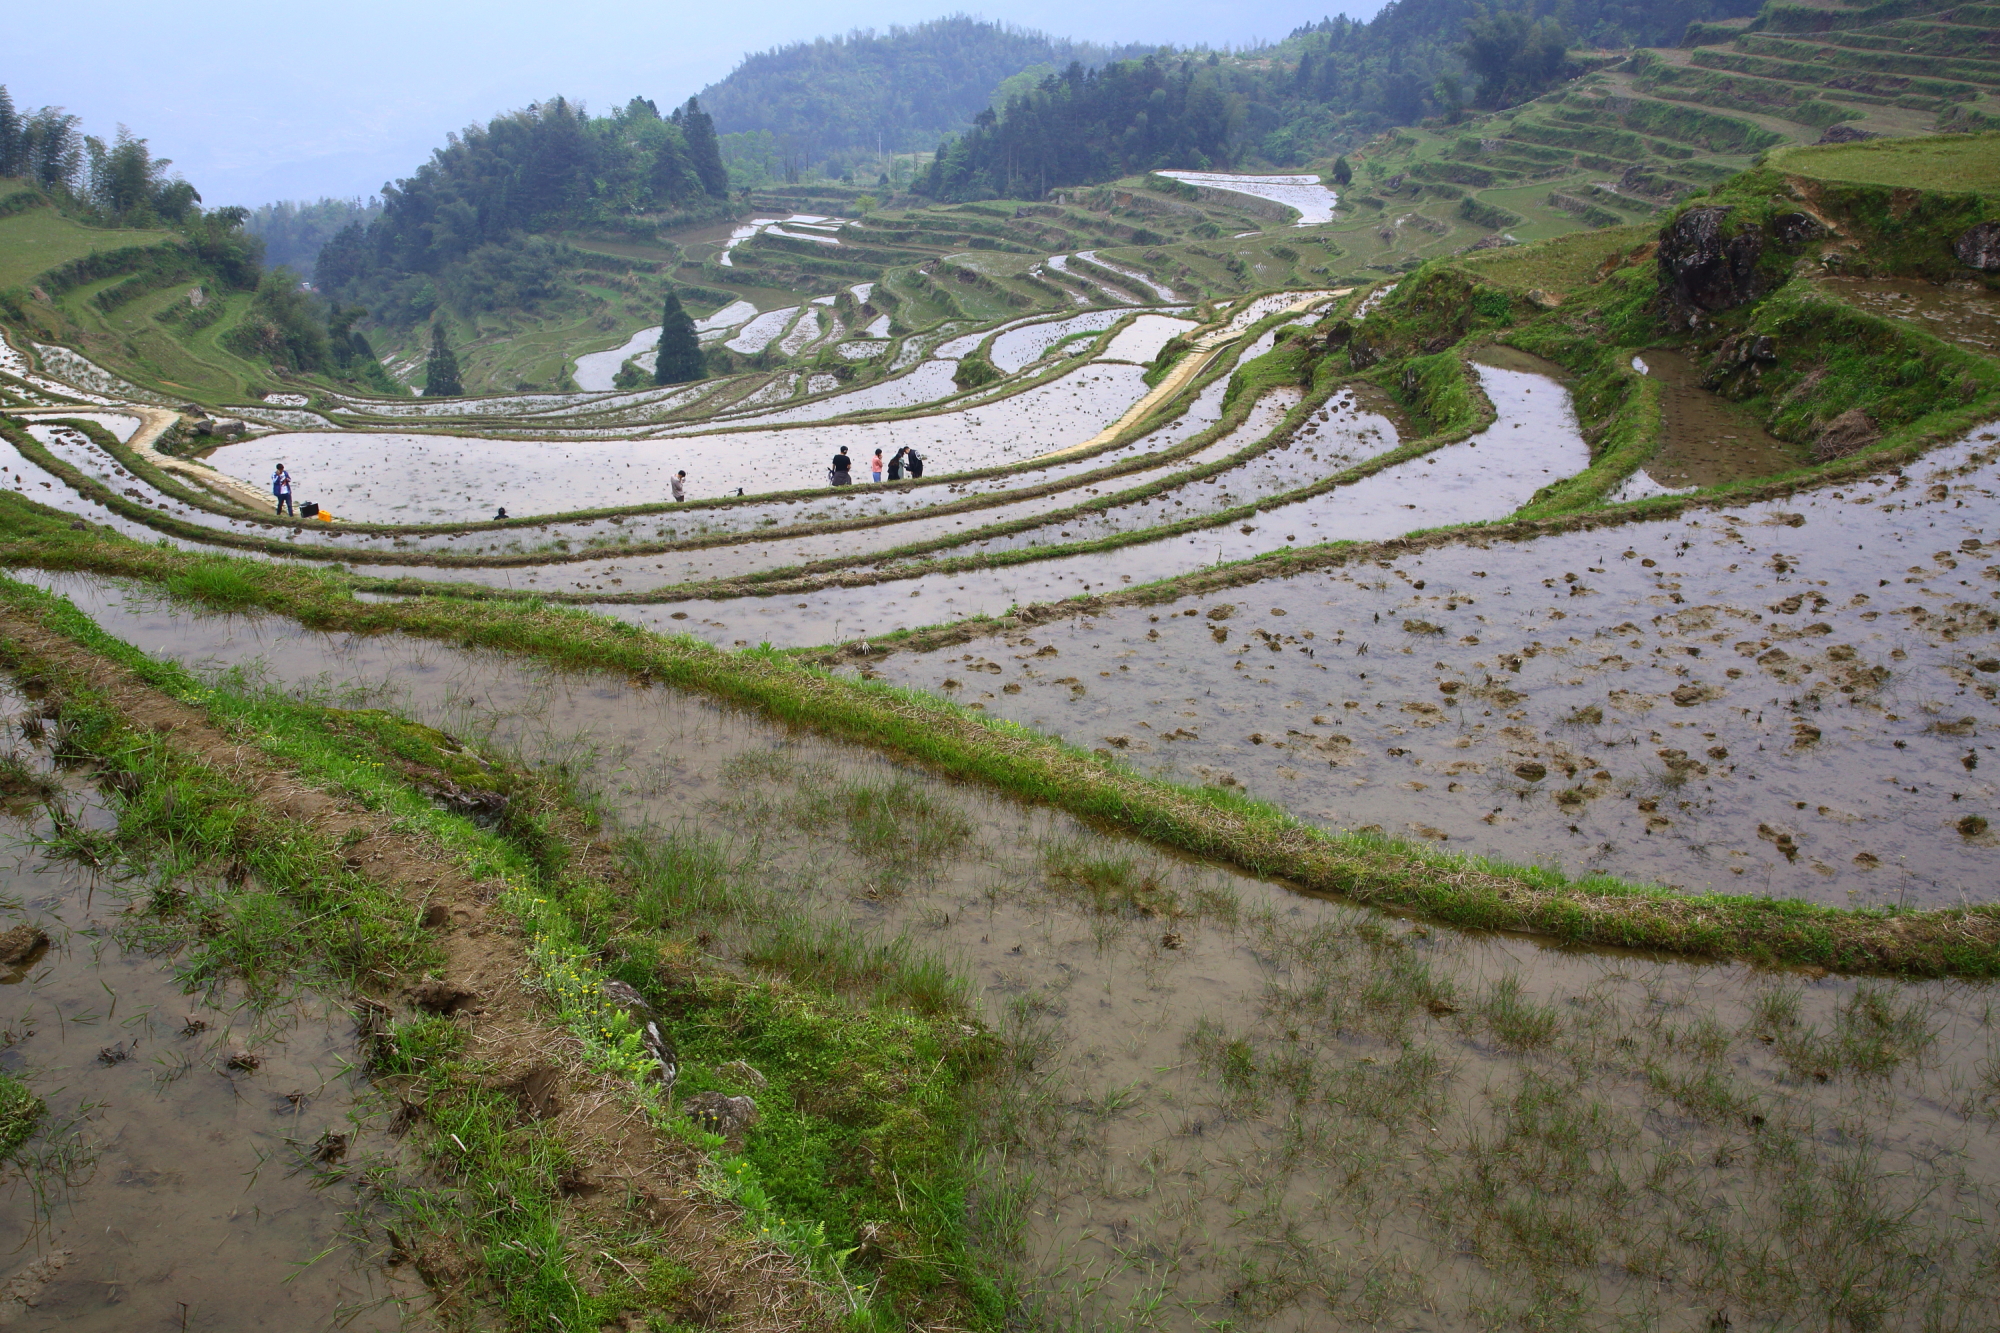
(256, 102)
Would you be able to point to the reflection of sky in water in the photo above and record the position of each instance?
(380, 477)
(1534, 441)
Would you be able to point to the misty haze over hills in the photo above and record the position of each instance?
(302, 104)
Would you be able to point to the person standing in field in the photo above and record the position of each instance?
(679, 486)
(842, 472)
(896, 465)
(876, 466)
(281, 490)
(916, 462)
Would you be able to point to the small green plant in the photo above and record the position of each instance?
(20, 1112)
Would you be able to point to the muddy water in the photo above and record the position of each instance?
(1019, 348)
(1708, 440)
(1257, 1108)
(1791, 698)
(597, 370)
(1144, 338)
(1340, 435)
(1964, 312)
(1534, 441)
(1092, 257)
(164, 1189)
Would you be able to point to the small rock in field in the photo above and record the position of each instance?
(718, 1114)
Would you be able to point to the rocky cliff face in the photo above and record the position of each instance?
(1703, 269)
(1979, 247)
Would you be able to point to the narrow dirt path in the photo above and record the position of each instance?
(153, 423)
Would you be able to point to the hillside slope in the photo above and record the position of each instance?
(834, 100)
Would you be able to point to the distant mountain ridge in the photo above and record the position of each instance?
(829, 99)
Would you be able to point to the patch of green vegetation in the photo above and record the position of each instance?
(35, 240)
(1952, 163)
(20, 1111)
(864, 1041)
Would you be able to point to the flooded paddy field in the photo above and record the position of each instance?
(191, 1169)
(1227, 1102)
(1533, 441)
(1706, 439)
(374, 477)
(1965, 312)
(1789, 698)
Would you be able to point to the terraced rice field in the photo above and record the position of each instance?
(1193, 570)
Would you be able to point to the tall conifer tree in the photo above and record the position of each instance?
(441, 370)
(11, 163)
(703, 147)
(679, 359)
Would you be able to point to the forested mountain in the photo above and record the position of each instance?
(461, 231)
(1325, 85)
(293, 233)
(825, 102)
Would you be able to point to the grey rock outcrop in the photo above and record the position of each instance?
(1979, 247)
(1702, 270)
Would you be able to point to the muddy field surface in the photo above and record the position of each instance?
(1231, 1103)
(188, 1172)
(1791, 698)
(1962, 312)
(1706, 439)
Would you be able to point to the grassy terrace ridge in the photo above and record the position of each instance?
(274, 852)
(1468, 892)
(1223, 363)
(36, 239)
(1958, 163)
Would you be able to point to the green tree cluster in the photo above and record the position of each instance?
(465, 222)
(120, 183)
(835, 102)
(1325, 86)
(1090, 124)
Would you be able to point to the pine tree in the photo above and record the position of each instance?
(703, 147)
(441, 370)
(11, 163)
(679, 358)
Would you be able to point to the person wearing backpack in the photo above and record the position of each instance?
(281, 489)
(916, 463)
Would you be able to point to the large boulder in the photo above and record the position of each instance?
(1703, 270)
(1979, 247)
